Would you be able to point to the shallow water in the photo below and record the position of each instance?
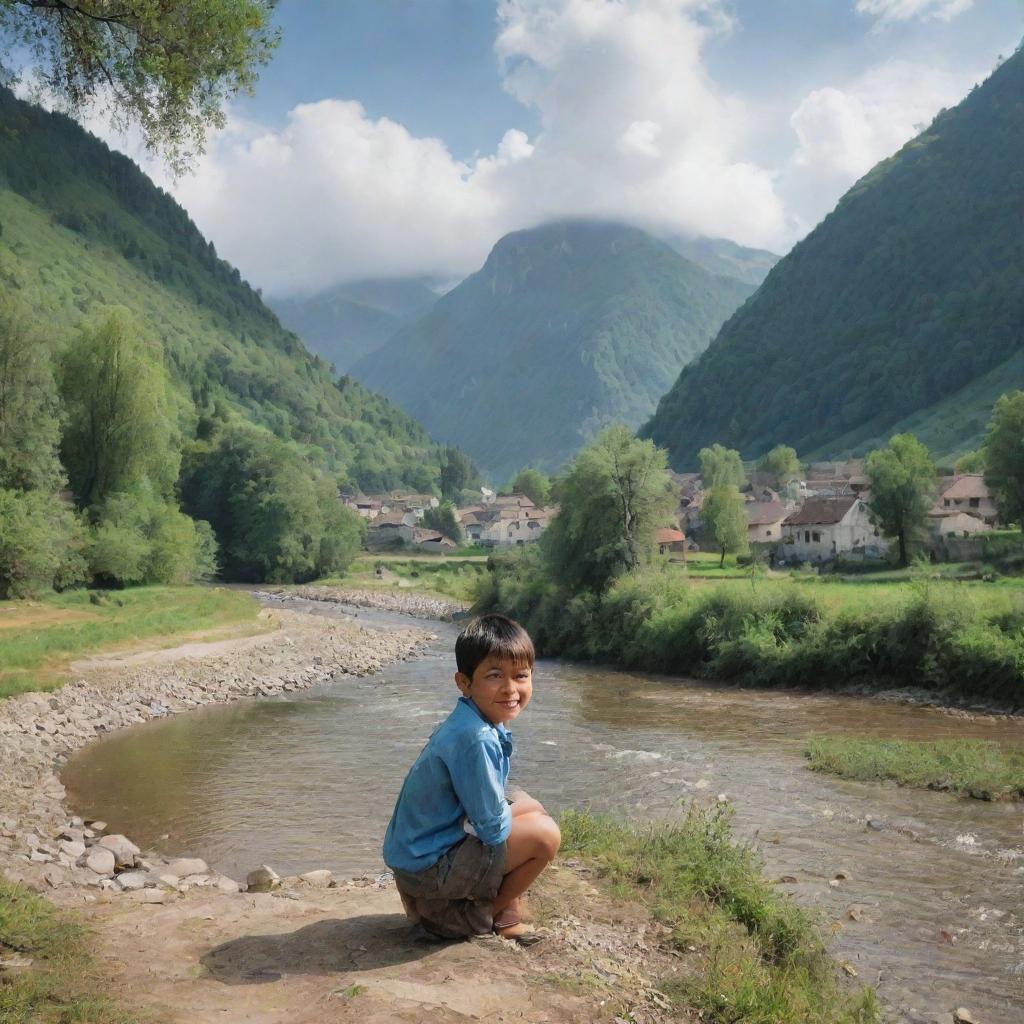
(308, 781)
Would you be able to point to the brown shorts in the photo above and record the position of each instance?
(452, 898)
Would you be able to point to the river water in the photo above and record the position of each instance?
(936, 882)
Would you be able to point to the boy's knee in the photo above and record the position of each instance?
(550, 836)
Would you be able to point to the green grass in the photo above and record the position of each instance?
(39, 639)
(61, 985)
(759, 958)
(977, 768)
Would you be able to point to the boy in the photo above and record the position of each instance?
(461, 853)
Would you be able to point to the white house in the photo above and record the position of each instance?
(764, 521)
(823, 528)
(968, 493)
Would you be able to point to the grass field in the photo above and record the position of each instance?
(58, 983)
(975, 768)
(39, 639)
(757, 957)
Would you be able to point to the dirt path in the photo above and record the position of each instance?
(347, 954)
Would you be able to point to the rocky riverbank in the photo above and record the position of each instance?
(44, 847)
(419, 606)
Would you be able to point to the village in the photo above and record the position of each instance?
(824, 517)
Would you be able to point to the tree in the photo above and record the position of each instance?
(723, 513)
(1004, 450)
(902, 484)
(534, 485)
(457, 473)
(443, 520)
(167, 67)
(782, 463)
(40, 544)
(971, 462)
(29, 413)
(119, 431)
(614, 497)
(721, 467)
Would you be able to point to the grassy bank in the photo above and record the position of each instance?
(976, 768)
(57, 983)
(957, 640)
(444, 576)
(761, 958)
(38, 640)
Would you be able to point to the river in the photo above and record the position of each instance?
(932, 912)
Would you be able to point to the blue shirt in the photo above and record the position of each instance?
(460, 774)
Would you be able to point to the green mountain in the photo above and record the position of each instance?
(566, 328)
(81, 227)
(347, 322)
(725, 258)
(903, 309)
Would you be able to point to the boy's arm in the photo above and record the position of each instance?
(477, 779)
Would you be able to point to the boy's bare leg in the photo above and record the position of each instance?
(530, 848)
(525, 804)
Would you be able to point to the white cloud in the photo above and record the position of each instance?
(904, 10)
(843, 132)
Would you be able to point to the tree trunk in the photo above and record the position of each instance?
(902, 538)
(721, 564)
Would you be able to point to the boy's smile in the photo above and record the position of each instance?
(500, 688)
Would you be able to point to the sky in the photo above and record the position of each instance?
(404, 137)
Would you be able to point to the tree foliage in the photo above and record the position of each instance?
(274, 516)
(29, 411)
(119, 433)
(721, 467)
(971, 462)
(167, 67)
(443, 520)
(614, 497)
(782, 463)
(534, 484)
(1004, 455)
(41, 544)
(902, 482)
(457, 473)
(723, 514)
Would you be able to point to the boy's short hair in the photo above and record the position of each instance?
(496, 635)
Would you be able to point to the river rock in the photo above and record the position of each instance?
(98, 826)
(73, 848)
(263, 879)
(962, 1016)
(101, 860)
(317, 879)
(132, 881)
(149, 896)
(225, 884)
(185, 866)
(123, 849)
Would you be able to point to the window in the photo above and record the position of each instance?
(807, 536)
(817, 537)
(975, 502)
(946, 502)
(767, 533)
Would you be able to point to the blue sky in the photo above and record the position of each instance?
(393, 137)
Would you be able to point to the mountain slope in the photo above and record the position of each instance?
(345, 323)
(81, 227)
(567, 327)
(724, 258)
(908, 297)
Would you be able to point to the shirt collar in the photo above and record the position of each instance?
(500, 728)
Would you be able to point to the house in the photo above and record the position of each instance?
(390, 530)
(670, 540)
(366, 507)
(823, 528)
(764, 521)
(509, 525)
(968, 492)
(432, 542)
(947, 522)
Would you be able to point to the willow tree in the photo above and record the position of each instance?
(166, 67)
(614, 497)
(902, 483)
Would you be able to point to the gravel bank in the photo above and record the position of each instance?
(416, 605)
(44, 847)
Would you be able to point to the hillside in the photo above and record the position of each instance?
(566, 328)
(81, 227)
(345, 323)
(903, 309)
(724, 258)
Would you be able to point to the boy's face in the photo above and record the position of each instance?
(500, 688)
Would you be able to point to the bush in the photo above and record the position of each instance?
(40, 544)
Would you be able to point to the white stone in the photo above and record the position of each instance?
(185, 866)
(263, 879)
(149, 896)
(131, 881)
(101, 860)
(317, 879)
(123, 849)
(72, 847)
